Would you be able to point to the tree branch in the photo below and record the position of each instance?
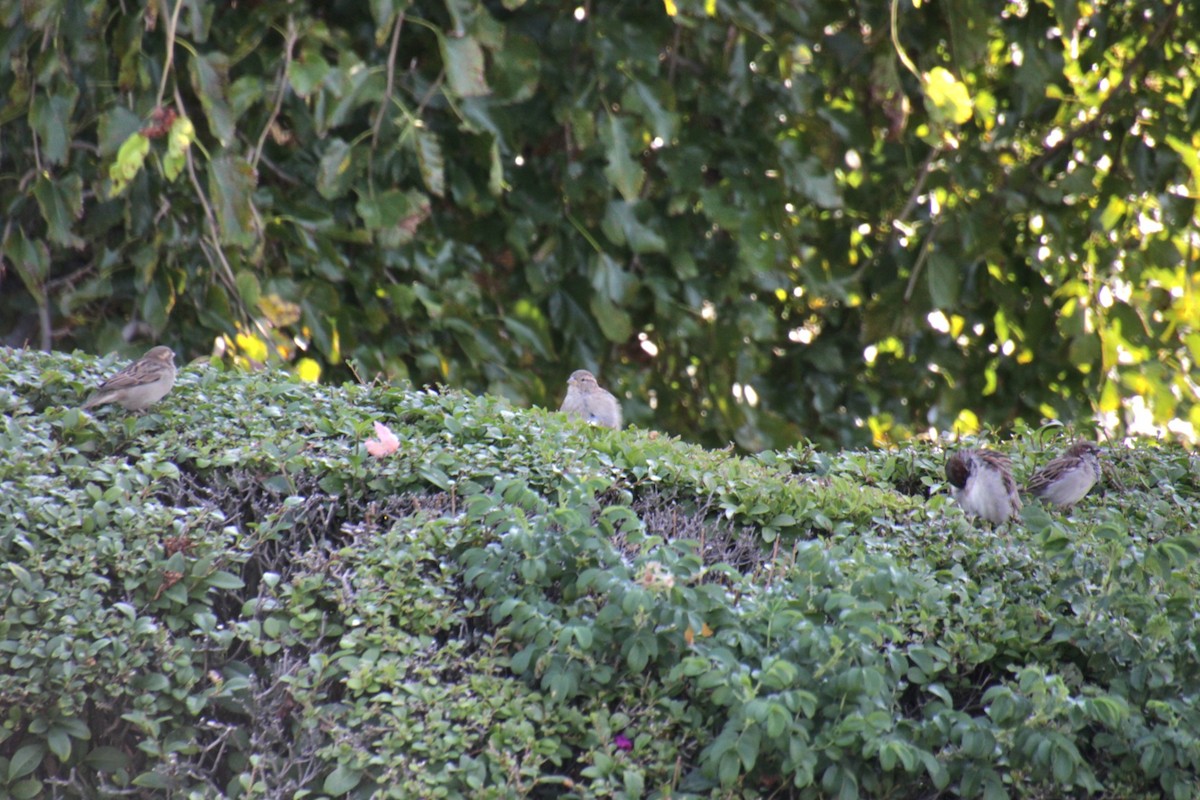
(1153, 44)
(391, 79)
(289, 39)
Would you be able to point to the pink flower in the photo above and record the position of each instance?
(622, 742)
(385, 445)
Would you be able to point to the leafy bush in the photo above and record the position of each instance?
(792, 211)
(228, 596)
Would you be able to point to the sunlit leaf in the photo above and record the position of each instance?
(946, 98)
(308, 370)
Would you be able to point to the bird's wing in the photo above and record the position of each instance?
(136, 374)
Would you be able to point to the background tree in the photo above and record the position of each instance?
(758, 220)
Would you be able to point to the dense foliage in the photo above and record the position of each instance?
(228, 595)
(755, 219)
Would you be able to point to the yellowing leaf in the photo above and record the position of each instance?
(178, 141)
(129, 162)
(1110, 397)
(966, 422)
(689, 636)
(946, 98)
(308, 370)
(672, 10)
(252, 347)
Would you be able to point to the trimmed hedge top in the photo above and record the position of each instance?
(228, 595)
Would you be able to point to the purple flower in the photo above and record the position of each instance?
(622, 742)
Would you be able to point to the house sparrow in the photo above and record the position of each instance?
(586, 400)
(1066, 479)
(982, 484)
(140, 385)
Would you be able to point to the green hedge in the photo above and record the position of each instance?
(228, 596)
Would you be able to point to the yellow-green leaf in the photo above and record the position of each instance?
(946, 98)
(129, 162)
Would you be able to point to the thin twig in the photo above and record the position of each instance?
(925, 172)
(172, 26)
(922, 257)
(289, 40)
(210, 217)
(1153, 45)
(44, 320)
(391, 79)
(904, 59)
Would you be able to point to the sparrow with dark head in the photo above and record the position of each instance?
(587, 401)
(982, 484)
(1066, 479)
(140, 385)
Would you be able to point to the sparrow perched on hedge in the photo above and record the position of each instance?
(586, 400)
(1066, 479)
(140, 385)
(982, 484)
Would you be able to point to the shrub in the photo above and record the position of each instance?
(228, 596)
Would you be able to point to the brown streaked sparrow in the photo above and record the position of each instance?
(140, 385)
(982, 484)
(1066, 479)
(587, 401)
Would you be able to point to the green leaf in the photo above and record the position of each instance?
(31, 261)
(463, 59)
(610, 279)
(248, 288)
(614, 323)
(342, 780)
(61, 203)
(210, 81)
(635, 784)
(431, 162)
(231, 182)
(152, 780)
(622, 226)
(495, 170)
(25, 761)
(59, 742)
(395, 215)
(384, 12)
(308, 71)
(945, 279)
(224, 580)
(107, 759)
(27, 789)
(516, 69)
(335, 175)
(625, 174)
(50, 118)
(728, 768)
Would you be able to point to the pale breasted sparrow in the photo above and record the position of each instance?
(140, 385)
(1066, 479)
(982, 484)
(587, 401)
